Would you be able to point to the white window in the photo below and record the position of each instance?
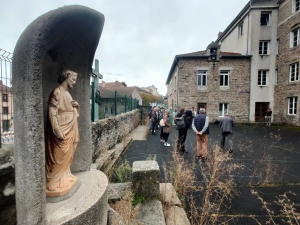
(241, 29)
(223, 109)
(265, 19)
(296, 5)
(264, 47)
(224, 79)
(278, 43)
(294, 38)
(262, 78)
(202, 78)
(294, 71)
(292, 108)
(276, 76)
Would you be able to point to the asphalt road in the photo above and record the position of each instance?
(257, 149)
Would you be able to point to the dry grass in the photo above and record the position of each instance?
(288, 212)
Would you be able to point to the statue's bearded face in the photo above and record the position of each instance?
(71, 80)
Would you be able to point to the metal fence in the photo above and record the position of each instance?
(6, 98)
(112, 103)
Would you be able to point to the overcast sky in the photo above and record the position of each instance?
(140, 37)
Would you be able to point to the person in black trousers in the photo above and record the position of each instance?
(182, 132)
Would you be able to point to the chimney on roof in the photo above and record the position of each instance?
(103, 84)
(220, 33)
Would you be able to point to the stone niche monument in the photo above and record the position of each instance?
(62, 39)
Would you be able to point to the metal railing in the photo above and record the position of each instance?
(6, 98)
(112, 103)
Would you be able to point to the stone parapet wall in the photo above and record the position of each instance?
(108, 132)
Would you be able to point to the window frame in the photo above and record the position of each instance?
(260, 80)
(278, 45)
(225, 74)
(5, 110)
(296, 71)
(222, 112)
(295, 6)
(262, 45)
(201, 73)
(241, 28)
(268, 20)
(294, 105)
(5, 99)
(292, 37)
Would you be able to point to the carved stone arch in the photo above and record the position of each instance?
(65, 38)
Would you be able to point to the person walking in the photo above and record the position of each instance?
(161, 117)
(181, 119)
(269, 117)
(167, 128)
(189, 115)
(226, 124)
(154, 119)
(201, 127)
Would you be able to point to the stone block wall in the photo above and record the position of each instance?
(108, 132)
(236, 95)
(287, 56)
(105, 134)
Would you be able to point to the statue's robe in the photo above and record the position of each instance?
(61, 138)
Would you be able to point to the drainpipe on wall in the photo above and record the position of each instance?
(177, 91)
(248, 27)
(249, 92)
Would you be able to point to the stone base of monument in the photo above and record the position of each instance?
(87, 206)
(63, 190)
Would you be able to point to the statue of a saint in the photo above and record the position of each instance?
(62, 134)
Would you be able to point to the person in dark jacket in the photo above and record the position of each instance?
(154, 119)
(160, 117)
(269, 117)
(189, 115)
(226, 124)
(182, 132)
(201, 127)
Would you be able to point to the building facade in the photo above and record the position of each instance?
(287, 90)
(254, 32)
(220, 85)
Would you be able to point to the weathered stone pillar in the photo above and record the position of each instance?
(65, 38)
(145, 179)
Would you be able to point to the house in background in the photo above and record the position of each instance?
(287, 88)
(151, 89)
(211, 79)
(117, 98)
(6, 109)
(254, 32)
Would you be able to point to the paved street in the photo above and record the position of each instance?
(256, 148)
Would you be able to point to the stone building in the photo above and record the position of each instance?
(287, 90)
(253, 32)
(214, 80)
(7, 107)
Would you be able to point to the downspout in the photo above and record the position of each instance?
(248, 27)
(177, 91)
(250, 63)
(249, 92)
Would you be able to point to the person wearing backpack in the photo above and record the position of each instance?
(201, 127)
(182, 124)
